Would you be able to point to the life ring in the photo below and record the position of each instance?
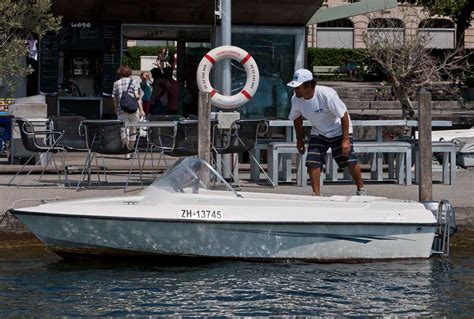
(251, 69)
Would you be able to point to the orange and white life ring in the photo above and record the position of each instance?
(251, 69)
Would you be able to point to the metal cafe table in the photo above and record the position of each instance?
(147, 125)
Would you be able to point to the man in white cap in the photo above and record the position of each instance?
(331, 128)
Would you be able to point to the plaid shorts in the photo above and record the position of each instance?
(318, 146)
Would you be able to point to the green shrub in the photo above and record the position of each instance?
(336, 57)
(132, 56)
(367, 69)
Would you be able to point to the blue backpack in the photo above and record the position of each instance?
(128, 103)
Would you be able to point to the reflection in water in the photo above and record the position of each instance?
(43, 285)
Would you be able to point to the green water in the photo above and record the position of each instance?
(36, 282)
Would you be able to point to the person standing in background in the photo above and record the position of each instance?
(126, 85)
(161, 61)
(145, 86)
(175, 66)
(159, 94)
(172, 107)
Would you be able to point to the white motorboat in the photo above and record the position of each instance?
(191, 211)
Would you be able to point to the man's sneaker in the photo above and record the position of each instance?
(361, 192)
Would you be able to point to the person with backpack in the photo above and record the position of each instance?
(128, 106)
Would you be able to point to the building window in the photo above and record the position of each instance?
(388, 28)
(340, 23)
(335, 34)
(386, 23)
(441, 33)
(413, 2)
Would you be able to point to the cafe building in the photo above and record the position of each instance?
(77, 66)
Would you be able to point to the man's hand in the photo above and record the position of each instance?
(300, 146)
(345, 147)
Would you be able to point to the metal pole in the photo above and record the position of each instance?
(424, 147)
(204, 126)
(226, 39)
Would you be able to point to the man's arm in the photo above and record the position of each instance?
(345, 145)
(298, 123)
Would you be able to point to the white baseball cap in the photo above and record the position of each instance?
(300, 76)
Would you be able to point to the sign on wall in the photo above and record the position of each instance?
(82, 36)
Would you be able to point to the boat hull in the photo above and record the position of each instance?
(105, 236)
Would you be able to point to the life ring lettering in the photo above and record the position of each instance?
(251, 69)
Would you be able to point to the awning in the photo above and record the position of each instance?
(195, 12)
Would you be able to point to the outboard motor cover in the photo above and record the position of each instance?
(464, 151)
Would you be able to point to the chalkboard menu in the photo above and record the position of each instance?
(81, 36)
(111, 57)
(48, 61)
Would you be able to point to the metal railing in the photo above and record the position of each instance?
(446, 227)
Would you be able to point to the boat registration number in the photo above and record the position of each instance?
(202, 213)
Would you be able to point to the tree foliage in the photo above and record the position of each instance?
(20, 20)
(407, 60)
(133, 54)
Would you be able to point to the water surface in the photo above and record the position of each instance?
(35, 282)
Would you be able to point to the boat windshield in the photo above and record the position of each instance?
(190, 175)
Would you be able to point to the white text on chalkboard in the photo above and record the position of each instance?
(80, 24)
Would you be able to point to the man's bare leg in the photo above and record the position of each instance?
(354, 170)
(315, 175)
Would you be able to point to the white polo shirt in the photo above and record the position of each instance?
(324, 110)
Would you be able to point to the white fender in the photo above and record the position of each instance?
(251, 69)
